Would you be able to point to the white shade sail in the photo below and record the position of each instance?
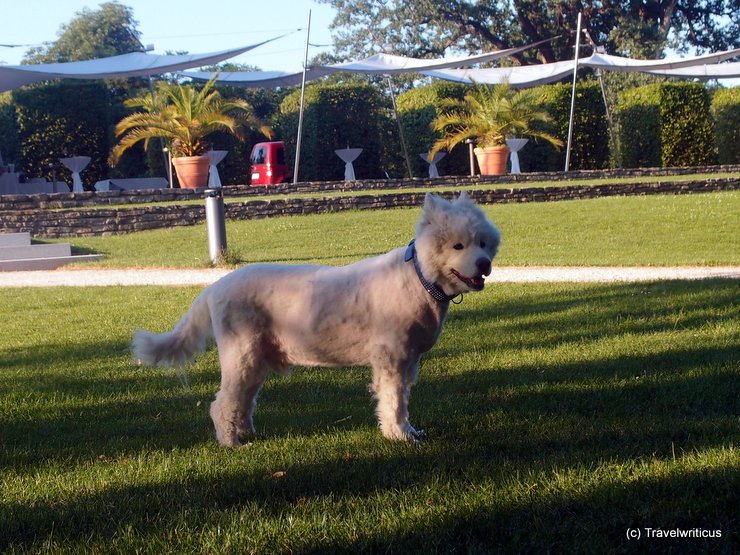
(126, 65)
(389, 64)
(711, 71)
(618, 63)
(378, 64)
(705, 66)
(261, 79)
(520, 76)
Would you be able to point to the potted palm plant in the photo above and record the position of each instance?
(184, 117)
(489, 115)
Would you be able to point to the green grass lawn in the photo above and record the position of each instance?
(559, 417)
(661, 230)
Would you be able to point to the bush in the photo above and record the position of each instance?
(9, 142)
(666, 124)
(416, 110)
(337, 116)
(726, 116)
(64, 119)
(590, 144)
(639, 127)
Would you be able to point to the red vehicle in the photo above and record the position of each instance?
(268, 163)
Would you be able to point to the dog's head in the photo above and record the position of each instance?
(456, 243)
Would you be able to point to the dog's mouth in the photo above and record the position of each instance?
(476, 282)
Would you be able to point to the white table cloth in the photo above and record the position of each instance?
(433, 171)
(515, 145)
(348, 155)
(76, 164)
(215, 157)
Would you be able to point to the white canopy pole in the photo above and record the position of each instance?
(300, 113)
(573, 93)
(400, 127)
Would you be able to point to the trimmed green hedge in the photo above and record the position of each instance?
(726, 115)
(639, 127)
(9, 144)
(666, 124)
(63, 119)
(337, 116)
(590, 145)
(416, 110)
(590, 148)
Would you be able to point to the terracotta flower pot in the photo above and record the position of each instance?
(192, 171)
(492, 160)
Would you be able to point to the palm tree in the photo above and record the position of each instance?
(490, 115)
(184, 117)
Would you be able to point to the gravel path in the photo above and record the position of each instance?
(529, 274)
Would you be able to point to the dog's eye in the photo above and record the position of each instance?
(483, 244)
(458, 246)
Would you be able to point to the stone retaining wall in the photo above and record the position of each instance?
(109, 198)
(75, 222)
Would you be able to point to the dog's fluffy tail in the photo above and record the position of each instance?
(176, 347)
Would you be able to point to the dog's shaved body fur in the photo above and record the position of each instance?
(375, 312)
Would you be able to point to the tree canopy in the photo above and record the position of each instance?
(107, 31)
(428, 28)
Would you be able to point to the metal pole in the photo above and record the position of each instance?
(470, 143)
(400, 127)
(300, 113)
(610, 121)
(165, 159)
(216, 224)
(573, 94)
(168, 160)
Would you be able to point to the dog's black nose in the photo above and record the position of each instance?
(484, 265)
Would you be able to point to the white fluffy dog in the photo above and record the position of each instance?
(383, 312)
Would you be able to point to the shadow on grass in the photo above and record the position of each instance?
(80, 401)
(487, 425)
(548, 319)
(76, 250)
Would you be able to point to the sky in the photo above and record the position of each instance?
(194, 26)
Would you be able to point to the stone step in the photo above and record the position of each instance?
(50, 250)
(52, 263)
(15, 239)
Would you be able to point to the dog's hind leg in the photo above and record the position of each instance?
(242, 377)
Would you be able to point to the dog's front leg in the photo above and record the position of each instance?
(392, 387)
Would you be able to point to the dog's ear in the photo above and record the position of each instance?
(463, 198)
(433, 207)
(433, 203)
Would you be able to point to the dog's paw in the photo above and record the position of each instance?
(405, 432)
(419, 435)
